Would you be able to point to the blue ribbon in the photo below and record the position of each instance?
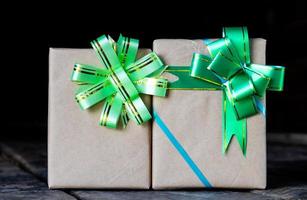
(181, 150)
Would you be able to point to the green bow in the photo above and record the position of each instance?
(119, 81)
(229, 68)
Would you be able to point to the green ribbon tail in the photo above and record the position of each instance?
(232, 126)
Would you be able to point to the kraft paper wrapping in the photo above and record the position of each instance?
(82, 154)
(195, 119)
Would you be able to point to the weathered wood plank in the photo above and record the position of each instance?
(288, 138)
(168, 195)
(31, 155)
(18, 184)
(286, 166)
(287, 192)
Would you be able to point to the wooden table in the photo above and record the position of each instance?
(23, 175)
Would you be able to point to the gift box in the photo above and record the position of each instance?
(187, 131)
(82, 154)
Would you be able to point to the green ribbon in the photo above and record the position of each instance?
(229, 68)
(120, 81)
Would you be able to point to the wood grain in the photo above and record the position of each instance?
(23, 174)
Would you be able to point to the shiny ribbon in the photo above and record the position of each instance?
(120, 81)
(229, 68)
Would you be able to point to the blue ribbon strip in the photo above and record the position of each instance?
(261, 108)
(181, 150)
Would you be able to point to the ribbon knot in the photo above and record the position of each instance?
(120, 81)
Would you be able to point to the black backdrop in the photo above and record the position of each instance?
(29, 30)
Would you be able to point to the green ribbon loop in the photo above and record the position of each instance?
(242, 80)
(229, 68)
(120, 81)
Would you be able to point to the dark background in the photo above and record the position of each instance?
(29, 30)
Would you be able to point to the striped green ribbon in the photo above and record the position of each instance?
(120, 81)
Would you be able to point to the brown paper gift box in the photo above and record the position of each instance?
(82, 154)
(195, 119)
